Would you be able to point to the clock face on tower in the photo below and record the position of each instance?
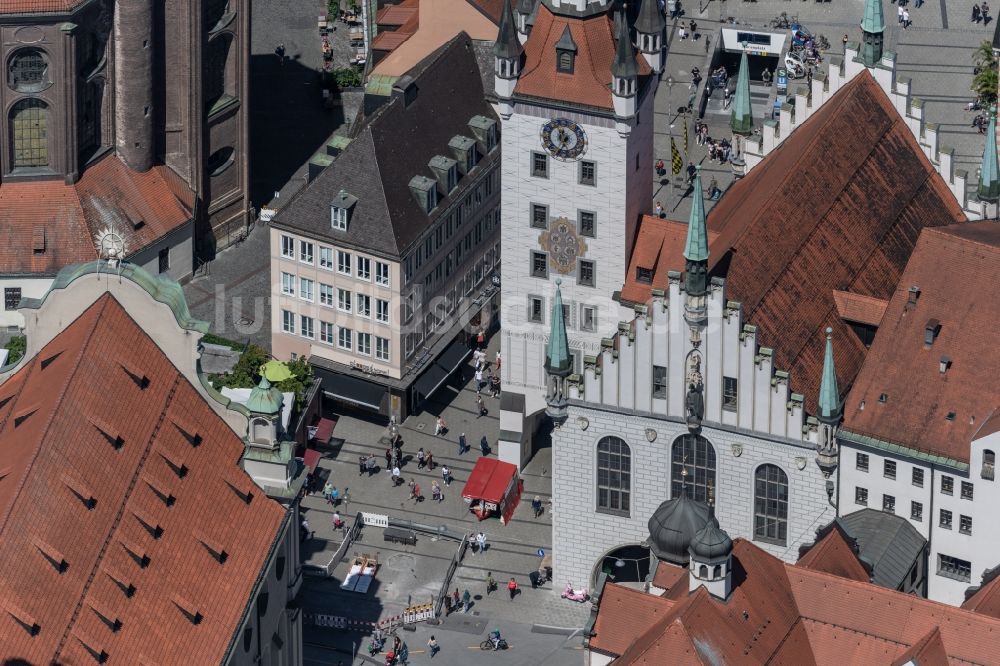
(563, 139)
(563, 244)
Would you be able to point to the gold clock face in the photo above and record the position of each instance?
(563, 244)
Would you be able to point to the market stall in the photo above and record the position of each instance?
(493, 489)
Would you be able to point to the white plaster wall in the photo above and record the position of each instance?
(901, 488)
(581, 535)
(31, 287)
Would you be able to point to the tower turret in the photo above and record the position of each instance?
(624, 76)
(134, 77)
(264, 405)
(741, 120)
(507, 60)
(523, 16)
(829, 412)
(558, 361)
(711, 565)
(649, 26)
(696, 257)
(872, 28)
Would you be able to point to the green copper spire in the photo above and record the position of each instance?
(872, 27)
(989, 179)
(829, 394)
(741, 120)
(696, 247)
(265, 399)
(557, 358)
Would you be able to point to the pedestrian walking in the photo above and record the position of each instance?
(659, 209)
(512, 588)
(396, 480)
(421, 458)
(481, 406)
(481, 540)
(370, 465)
(362, 465)
(481, 338)
(436, 492)
(335, 497)
(446, 475)
(432, 646)
(466, 601)
(498, 362)
(388, 458)
(447, 605)
(455, 599)
(681, 32)
(306, 532)
(490, 583)
(975, 13)
(461, 444)
(398, 456)
(430, 460)
(327, 489)
(440, 427)
(984, 9)
(404, 654)
(415, 492)
(484, 446)
(479, 380)
(536, 506)
(906, 18)
(280, 52)
(495, 387)
(844, 41)
(899, 14)
(693, 29)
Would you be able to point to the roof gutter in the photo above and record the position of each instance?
(899, 449)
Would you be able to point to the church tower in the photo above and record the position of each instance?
(576, 106)
(558, 362)
(829, 412)
(872, 28)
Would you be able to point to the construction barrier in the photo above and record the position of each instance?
(375, 519)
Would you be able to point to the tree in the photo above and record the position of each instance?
(347, 77)
(984, 83)
(16, 346)
(246, 374)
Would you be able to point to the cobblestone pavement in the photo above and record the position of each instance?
(512, 548)
(935, 52)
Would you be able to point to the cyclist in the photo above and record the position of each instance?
(495, 637)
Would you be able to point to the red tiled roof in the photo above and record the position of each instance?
(106, 490)
(667, 577)
(37, 6)
(837, 207)
(858, 308)
(834, 555)
(659, 247)
(590, 82)
(389, 41)
(957, 270)
(986, 600)
(73, 214)
(928, 651)
(779, 613)
(490, 8)
(68, 240)
(396, 14)
(629, 612)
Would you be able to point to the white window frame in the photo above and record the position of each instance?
(364, 344)
(326, 332)
(307, 326)
(364, 268)
(306, 252)
(326, 257)
(382, 273)
(338, 218)
(363, 305)
(306, 289)
(345, 338)
(343, 262)
(382, 349)
(288, 322)
(287, 283)
(382, 310)
(326, 295)
(288, 247)
(345, 300)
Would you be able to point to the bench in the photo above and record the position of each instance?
(398, 535)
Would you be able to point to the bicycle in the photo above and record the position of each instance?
(488, 645)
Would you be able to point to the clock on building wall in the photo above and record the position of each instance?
(563, 245)
(564, 139)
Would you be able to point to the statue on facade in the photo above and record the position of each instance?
(695, 405)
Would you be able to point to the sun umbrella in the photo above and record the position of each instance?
(276, 371)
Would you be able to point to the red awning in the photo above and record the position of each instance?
(490, 480)
(311, 459)
(324, 429)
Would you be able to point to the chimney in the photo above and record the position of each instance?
(931, 330)
(406, 88)
(914, 294)
(945, 364)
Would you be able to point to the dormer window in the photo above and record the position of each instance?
(644, 275)
(452, 177)
(425, 192)
(484, 129)
(340, 210)
(565, 52)
(931, 330)
(470, 159)
(491, 138)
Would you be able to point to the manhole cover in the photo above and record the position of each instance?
(420, 426)
(400, 562)
(245, 321)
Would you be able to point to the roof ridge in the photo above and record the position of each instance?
(381, 183)
(113, 527)
(7, 510)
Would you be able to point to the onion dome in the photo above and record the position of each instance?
(711, 542)
(674, 525)
(264, 398)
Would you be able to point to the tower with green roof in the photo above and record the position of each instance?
(829, 411)
(989, 179)
(872, 29)
(264, 405)
(696, 257)
(741, 119)
(558, 362)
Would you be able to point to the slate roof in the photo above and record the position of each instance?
(780, 613)
(590, 82)
(142, 207)
(887, 541)
(104, 483)
(956, 269)
(396, 145)
(870, 191)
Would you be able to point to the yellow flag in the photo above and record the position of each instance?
(676, 163)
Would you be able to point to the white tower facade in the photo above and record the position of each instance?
(577, 145)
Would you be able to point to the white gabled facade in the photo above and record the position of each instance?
(765, 425)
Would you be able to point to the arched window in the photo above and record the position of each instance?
(614, 476)
(29, 121)
(694, 453)
(770, 505)
(717, 571)
(703, 571)
(217, 76)
(28, 70)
